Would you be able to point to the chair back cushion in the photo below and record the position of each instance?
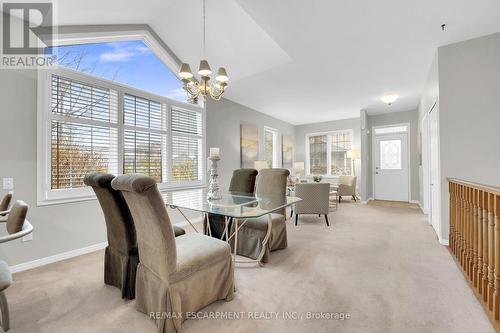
(16, 217)
(155, 235)
(272, 183)
(315, 198)
(243, 180)
(347, 180)
(4, 204)
(120, 227)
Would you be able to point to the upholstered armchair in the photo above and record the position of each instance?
(270, 182)
(4, 206)
(17, 227)
(176, 275)
(347, 187)
(121, 256)
(315, 199)
(242, 181)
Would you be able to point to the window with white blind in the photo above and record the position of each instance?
(89, 124)
(271, 147)
(187, 138)
(326, 153)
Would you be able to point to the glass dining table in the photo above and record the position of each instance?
(233, 206)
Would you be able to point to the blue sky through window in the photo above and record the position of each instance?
(129, 62)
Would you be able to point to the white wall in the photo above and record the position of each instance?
(430, 96)
(223, 130)
(469, 107)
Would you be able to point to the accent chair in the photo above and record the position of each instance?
(176, 275)
(17, 227)
(347, 187)
(4, 206)
(315, 200)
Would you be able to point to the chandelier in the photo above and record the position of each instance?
(194, 87)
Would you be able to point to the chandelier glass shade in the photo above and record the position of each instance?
(196, 87)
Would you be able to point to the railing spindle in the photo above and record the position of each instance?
(491, 252)
(474, 240)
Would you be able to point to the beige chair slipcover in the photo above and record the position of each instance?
(270, 182)
(175, 275)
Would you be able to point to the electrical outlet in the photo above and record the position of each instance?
(28, 238)
(8, 183)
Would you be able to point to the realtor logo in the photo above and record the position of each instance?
(22, 24)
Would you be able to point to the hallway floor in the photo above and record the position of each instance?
(383, 266)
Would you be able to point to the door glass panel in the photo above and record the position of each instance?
(390, 155)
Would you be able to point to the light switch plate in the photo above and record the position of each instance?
(8, 183)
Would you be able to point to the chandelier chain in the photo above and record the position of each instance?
(204, 28)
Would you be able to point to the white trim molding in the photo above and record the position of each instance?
(57, 257)
(443, 241)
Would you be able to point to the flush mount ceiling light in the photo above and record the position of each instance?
(194, 87)
(389, 98)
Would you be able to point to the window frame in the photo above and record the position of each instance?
(276, 146)
(45, 194)
(328, 135)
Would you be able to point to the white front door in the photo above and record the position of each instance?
(435, 182)
(391, 167)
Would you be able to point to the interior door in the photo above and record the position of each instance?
(391, 167)
(435, 181)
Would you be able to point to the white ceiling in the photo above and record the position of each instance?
(306, 61)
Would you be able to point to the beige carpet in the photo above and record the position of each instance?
(382, 265)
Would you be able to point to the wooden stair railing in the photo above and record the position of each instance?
(474, 240)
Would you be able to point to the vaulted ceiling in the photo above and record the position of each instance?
(306, 61)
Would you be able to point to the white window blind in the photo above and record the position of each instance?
(187, 151)
(83, 131)
(144, 137)
(90, 124)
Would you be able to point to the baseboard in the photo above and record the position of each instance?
(78, 252)
(416, 202)
(57, 257)
(443, 241)
(366, 201)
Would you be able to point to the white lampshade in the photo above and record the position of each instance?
(259, 165)
(205, 69)
(222, 75)
(354, 154)
(185, 71)
(389, 98)
(298, 166)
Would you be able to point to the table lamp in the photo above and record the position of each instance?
(354, 154)
(299, 169)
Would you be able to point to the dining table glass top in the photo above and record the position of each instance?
(232, 204)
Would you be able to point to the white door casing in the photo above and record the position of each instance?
(434, 173)
(391, 167)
